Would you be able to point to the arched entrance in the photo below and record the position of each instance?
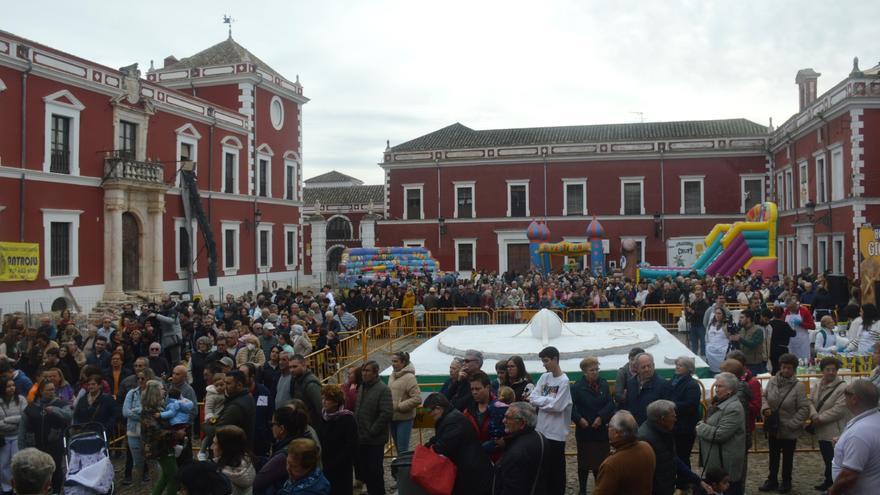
(131, 279)
(334, 256)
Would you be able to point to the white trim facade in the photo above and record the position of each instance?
(632, 180)
(291, 255)
(414, 187)
(692, 178)
(472, 241)
(54, 106)
(264, 227)
(51, 216)
(230, 269)
(518, 182)
(472, 185)
(582, 181)
(179, 223)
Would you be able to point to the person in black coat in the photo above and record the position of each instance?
(518, 471)
(657, 431)
(338, 434)
(780, 335)
(686, 395)
(264, 406)
(456, 439)
(239, 408)
(644, 388)
(96, 407)
(593, 406)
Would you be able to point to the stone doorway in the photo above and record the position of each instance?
(131, 253)
(518, 258)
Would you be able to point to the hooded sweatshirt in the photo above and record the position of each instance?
(213, 403)
(241, 477)
(405, 393)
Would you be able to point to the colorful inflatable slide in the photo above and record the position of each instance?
(377, 263)
(748, 244)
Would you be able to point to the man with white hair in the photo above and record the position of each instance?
(658, 432)
(518, 470)
(617, 473)
(644, 388)
(32, 472)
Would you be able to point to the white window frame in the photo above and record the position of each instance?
(235, 226)
(410, 187)
(790, 260)
(265, 227)
(821, 178)
(518, 182)
(264, 153)
(742, 188)
(459, 242)
(693, 178)
(140, 119)
(413, 242)
(780, 190)
(290, 163)
(803, 184)
(642, 239)
(472, 185)
(780, 255)
(60, 216)
(837, 255)
(838, 184)
(789, 189)
(821, 254)
(70, 110)
(231, 145)
(804, 260)
(188, 134)
(291, 228)
(582, 181)
(178, 224)
(632, 180)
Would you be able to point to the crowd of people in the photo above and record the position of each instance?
(218, 397)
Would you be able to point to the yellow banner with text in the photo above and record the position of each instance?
(19, 261)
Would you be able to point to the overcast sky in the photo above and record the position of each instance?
(396, 70)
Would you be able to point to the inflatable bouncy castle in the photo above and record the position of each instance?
(541, 251)
(750, 244)
(377, 263)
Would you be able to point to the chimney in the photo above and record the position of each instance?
(169, 60)
(806, 81)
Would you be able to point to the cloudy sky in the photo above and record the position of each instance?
(396, 70)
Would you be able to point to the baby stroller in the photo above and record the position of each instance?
(87, 456)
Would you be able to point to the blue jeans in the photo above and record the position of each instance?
(697, 339)
(137, 452)
(400, 433)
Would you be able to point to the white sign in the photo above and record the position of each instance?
(683, 251)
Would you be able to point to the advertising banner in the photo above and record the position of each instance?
(19, 261)
(683, 251)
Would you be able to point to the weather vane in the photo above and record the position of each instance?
(228, 20)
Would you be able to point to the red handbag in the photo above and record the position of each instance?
(431, 471)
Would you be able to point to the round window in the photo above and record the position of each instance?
(276, 113)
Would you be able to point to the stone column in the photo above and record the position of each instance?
(156, 209)
(113, 205)
(319, 248)
(368, 230)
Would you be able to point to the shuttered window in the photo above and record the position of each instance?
(60, 248)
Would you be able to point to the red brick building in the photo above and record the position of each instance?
(89, 157)
(468, 195)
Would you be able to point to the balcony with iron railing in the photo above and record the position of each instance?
(60, 162)
(120, 165)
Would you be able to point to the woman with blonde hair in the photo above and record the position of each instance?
(63, 390)
(251, 352)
